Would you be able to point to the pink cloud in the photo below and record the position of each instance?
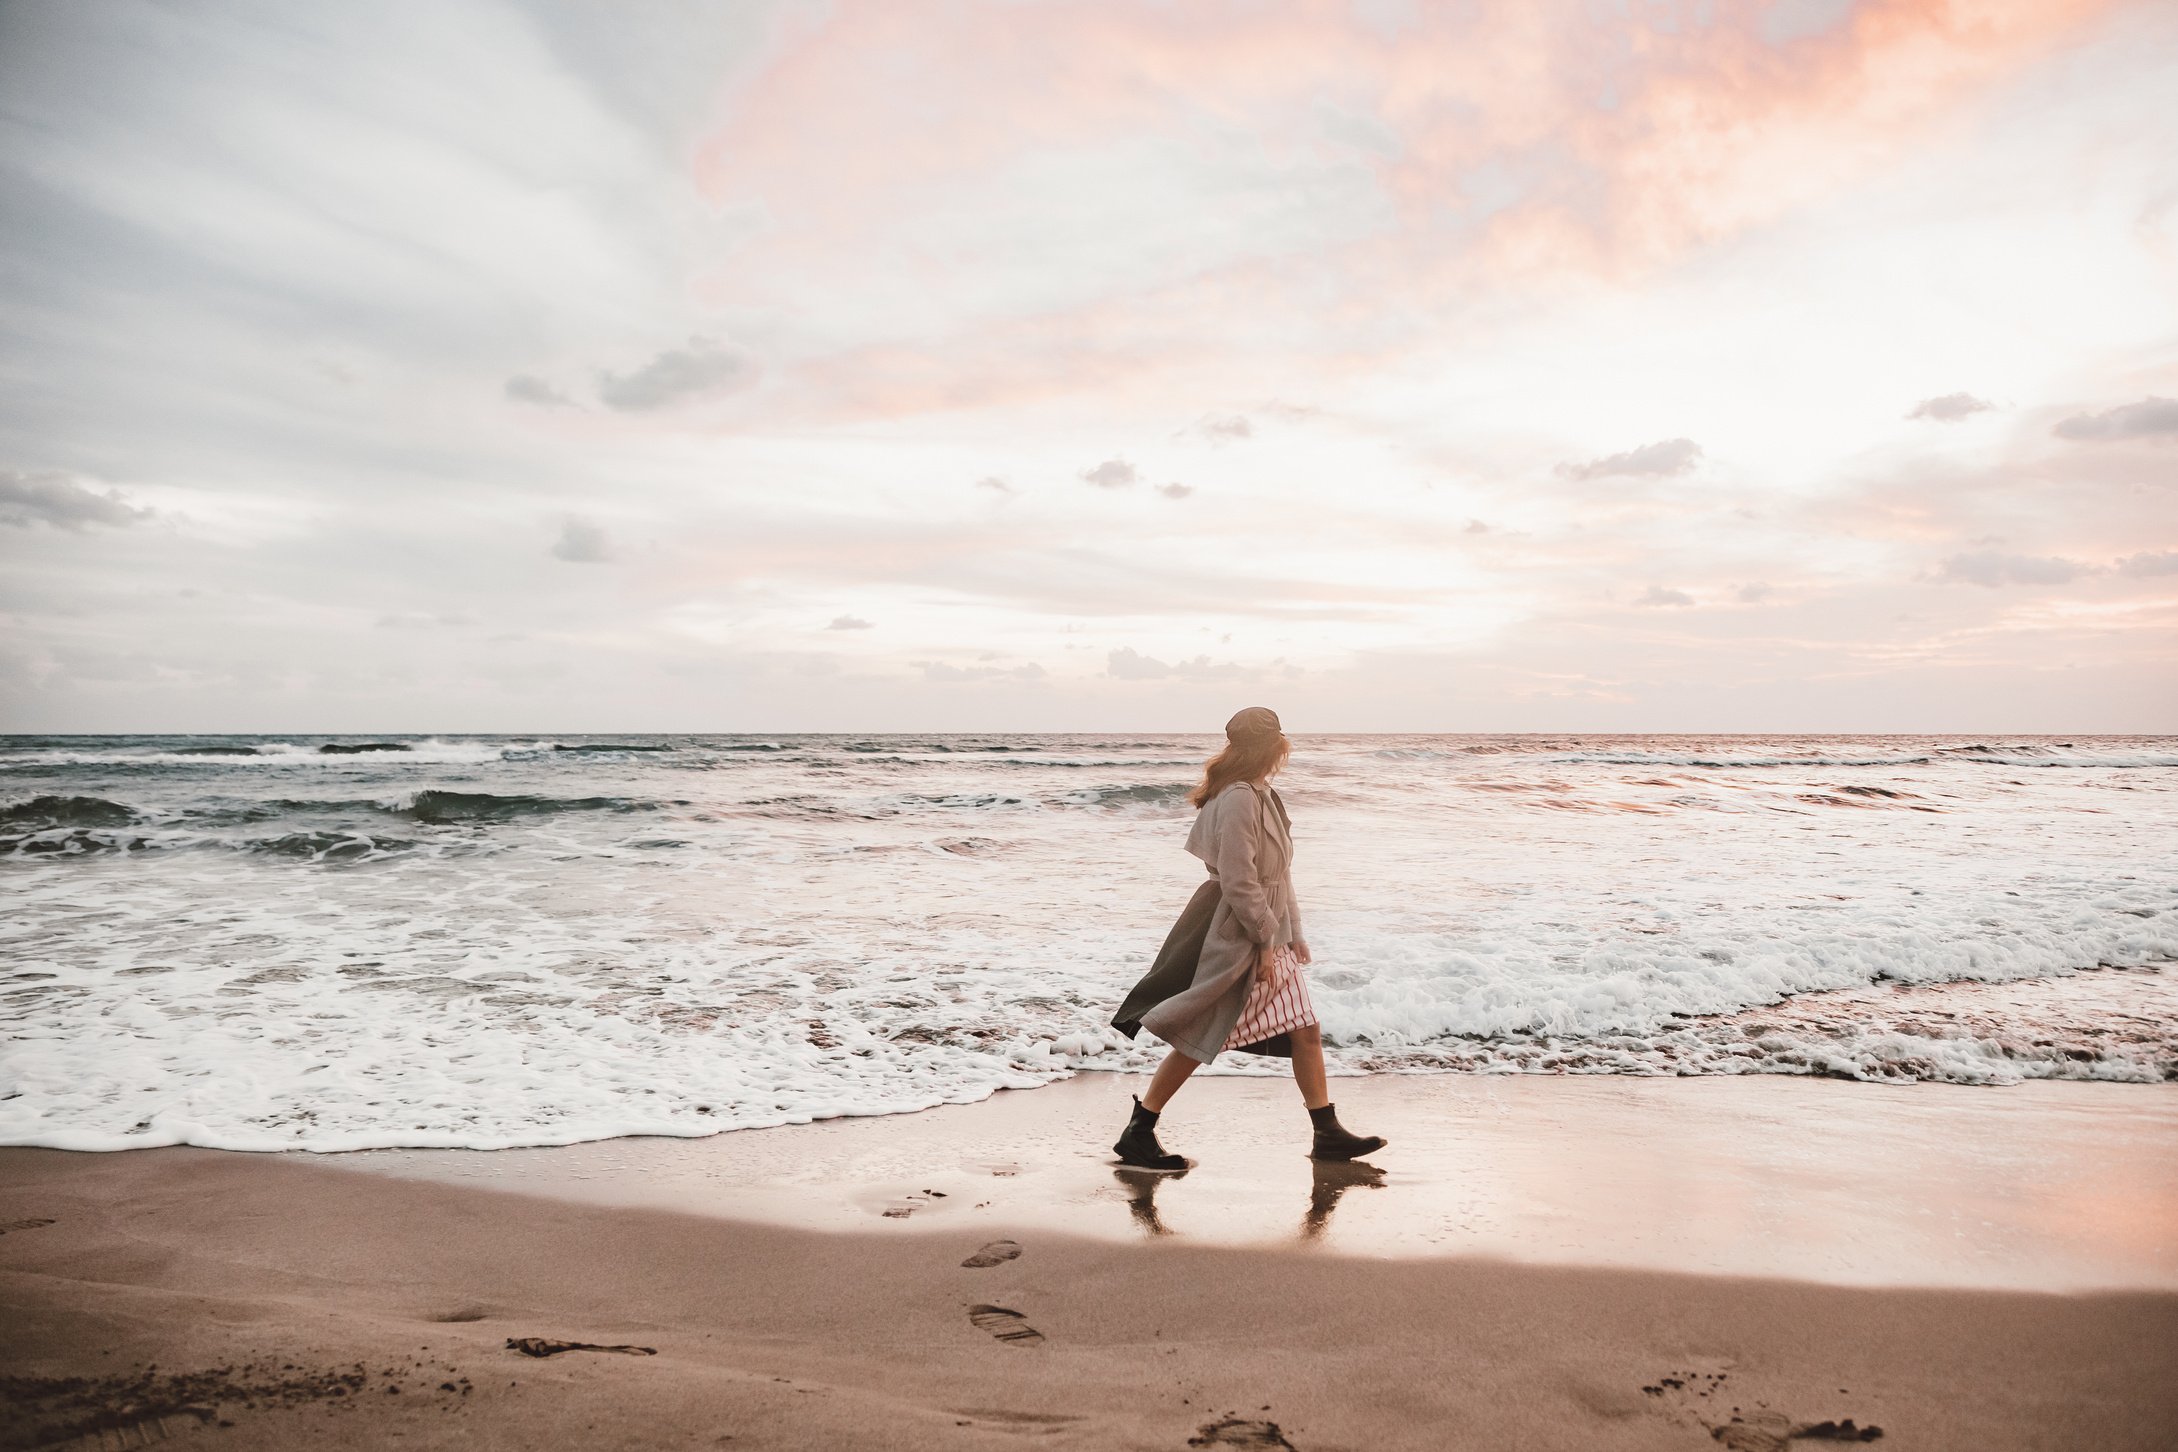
(1513, 145)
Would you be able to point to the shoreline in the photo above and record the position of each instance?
(2061, 1185)
(2110, 1024)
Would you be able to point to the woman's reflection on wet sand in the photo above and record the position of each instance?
(1332, 1179)
(1141, 1187)
(1329, 1180)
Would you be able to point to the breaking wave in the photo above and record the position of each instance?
(529, 940)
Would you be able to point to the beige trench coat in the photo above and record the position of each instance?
(1245, 839)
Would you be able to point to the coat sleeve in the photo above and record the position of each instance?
(1237, 830)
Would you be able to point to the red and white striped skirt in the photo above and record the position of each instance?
(1275, 1006)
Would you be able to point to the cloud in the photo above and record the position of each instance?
(1951, 407)
(60, 502)
(1112, 474)
(1657, 460)
(1229, 429)
(1754, 594)
(2140, 566)
(1992, 570)
(525, 388)
(420, 620)
(992, 481)
(1175, 491)
(1128, 664)
(1476, 526)
(582, 543)
(938, 670)
(677, 375)
(850, 622)
(2151, 418)
(1356, 129)
(1657, 595)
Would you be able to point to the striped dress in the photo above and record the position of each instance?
(1274, 1008)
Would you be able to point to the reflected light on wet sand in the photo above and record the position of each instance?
(2037, 1186)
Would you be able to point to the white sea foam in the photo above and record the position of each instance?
(279, 754)
(492, 943)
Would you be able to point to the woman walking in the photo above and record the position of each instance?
(1229, 975)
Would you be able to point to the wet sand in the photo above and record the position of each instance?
(1542, 1263)
(2041, 1186)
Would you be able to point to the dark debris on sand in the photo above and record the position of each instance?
(545, 1346)
(149, 1405)
(1240, 1432)
(1756, 1431)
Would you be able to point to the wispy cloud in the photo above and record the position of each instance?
(2151, 418)
(702, 369)
(61, 503)
(1112, 474)
(423, 620)
(1655, 461)
(1226, 429)
(2149, 564)
(1950, 407)
(582, 542)
(526, 388)
(1128, 664)
(938, 670)
(850, 622)
(1992, 569)
(1659, 595)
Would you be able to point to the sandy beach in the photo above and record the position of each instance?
(1994, 1269)
(656, 658)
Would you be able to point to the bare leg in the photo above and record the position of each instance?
(1173, 1072)
(1308, 1066)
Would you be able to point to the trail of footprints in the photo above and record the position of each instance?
(1010, 1326)
(1757, 1429)
(1006, 1324)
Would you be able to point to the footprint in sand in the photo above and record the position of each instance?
(1015, 1421)
(912, 1203)
(1758, 1429)
(1776, 1432)
(24, 1225)
(543, 1346)
(126, 1431)
(1238, 1432)
(1009, 1326)
(998, 1252)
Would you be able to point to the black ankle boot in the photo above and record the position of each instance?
(1139, 1146)
(1334, 1141)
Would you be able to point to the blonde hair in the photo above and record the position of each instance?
(1249, 759)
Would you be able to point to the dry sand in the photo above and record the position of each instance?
(287, 1302)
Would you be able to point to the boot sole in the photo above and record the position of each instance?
(1139, 1165)
(1351, 1154)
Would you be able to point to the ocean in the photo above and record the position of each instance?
(333, 943)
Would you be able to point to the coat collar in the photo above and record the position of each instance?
(1270, 793)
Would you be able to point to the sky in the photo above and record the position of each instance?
(1099, 365)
